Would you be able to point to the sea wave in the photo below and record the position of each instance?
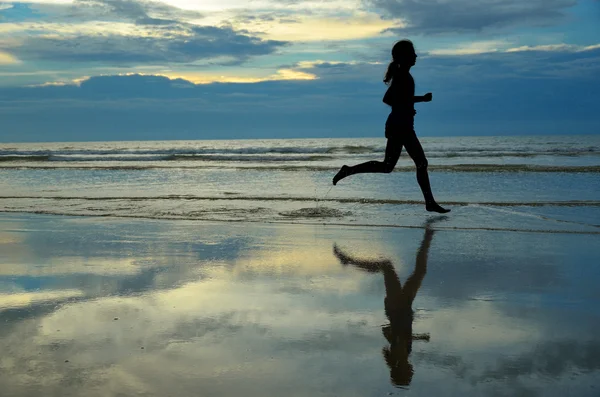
(293, 153)
(157, 158)
(348, 200)
(491, 168)
(252, 158)
(30, 157)
(351, 149)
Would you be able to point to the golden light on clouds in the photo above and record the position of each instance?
(295, 23)
(7, 59)
(207, 78)
(202, 78)
(290, 74)
(53, 30)
(477, 47)
(319, 29)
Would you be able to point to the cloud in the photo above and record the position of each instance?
(555, 47)
(460, 16)
(309, 28)
(556, 61)
(343, 71)
(227, 77)
(139, 11)
(488, 46)
(470, 48)
(7, 59)
(127, 33)
(519, 92)
(179, 44)
(249, 17)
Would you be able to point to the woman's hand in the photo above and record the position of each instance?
(427, 97)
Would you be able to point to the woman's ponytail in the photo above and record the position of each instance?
(391, 70)
(401, 50)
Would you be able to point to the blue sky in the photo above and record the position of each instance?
(180, 69)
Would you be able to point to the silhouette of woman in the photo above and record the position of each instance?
(399, 127)
(398, 307)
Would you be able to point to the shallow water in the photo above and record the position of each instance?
(107, 307)
(547, 184)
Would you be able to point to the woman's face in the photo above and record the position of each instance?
(412, 58)
(409, 58)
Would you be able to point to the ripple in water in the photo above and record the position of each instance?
(316, 212)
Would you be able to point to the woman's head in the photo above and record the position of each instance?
(403, 55)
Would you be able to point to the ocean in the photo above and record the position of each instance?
(236, 268)
(525, 183)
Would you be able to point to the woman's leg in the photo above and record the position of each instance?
(413, 282)
(392, 154)
(415, 151)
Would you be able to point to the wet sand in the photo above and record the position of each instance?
(120, 307)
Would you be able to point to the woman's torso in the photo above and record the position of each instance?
(401, 93)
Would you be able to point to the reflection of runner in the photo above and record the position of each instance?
(398, 307)
(399, 127)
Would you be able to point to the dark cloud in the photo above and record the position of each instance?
(459, 16)
(175, 44)
(252, 16)
(559, 63)
(148, 106)
(123, 8)
(162, 35)
(138, 11)
(519, 92)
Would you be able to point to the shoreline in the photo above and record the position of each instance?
(301, 223)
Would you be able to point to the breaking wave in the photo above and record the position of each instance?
(276, 153)
(278, 166)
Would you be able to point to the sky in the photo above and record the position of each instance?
(93, 70)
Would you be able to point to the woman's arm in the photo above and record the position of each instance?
(425, 98)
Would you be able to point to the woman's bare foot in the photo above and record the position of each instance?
(342, 173)
(435, 207)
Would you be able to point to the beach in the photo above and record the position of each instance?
(107, 307)
(235, 268)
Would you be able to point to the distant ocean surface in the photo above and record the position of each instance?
(533, 183)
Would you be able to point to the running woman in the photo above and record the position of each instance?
(399, 127)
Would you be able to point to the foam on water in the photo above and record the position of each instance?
(316, 212)
(309, 150)
(541, 183)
